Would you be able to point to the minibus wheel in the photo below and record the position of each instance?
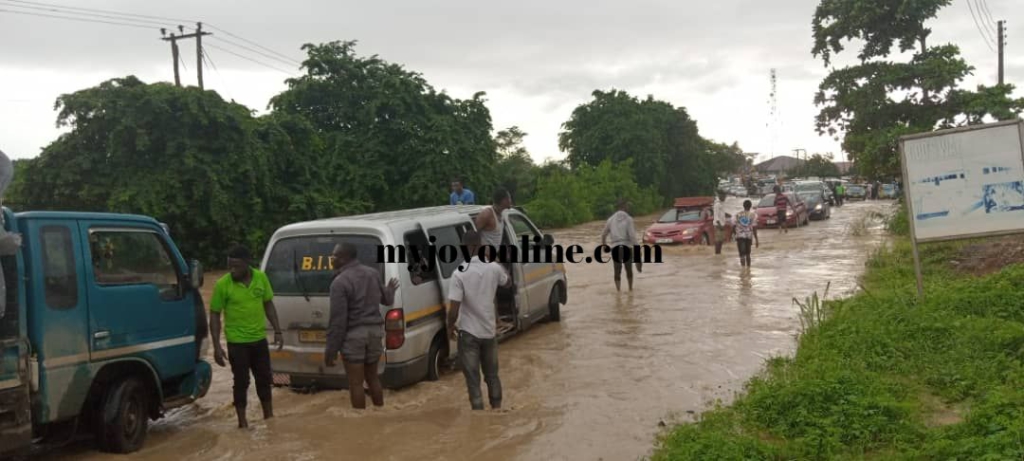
(434, 358)
(554, 307)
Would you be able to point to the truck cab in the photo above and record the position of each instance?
(101, 330)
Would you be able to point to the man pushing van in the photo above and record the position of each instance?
(472, 320)
(356, 328)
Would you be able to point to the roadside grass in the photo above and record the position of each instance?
(882, 375)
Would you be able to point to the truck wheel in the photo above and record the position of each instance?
(554, 306)
(124, 417)
(434, 359)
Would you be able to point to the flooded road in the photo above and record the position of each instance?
(593, 386)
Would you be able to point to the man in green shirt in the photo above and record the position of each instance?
(245, 298)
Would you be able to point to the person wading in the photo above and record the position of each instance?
(356, 327)
(471, 321)
(720, 222)
(620, 230)
(245, 298)
(461, 195)
(781, 205)
(745, 224)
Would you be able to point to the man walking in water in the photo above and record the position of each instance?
(620, 229)
(472, 321)
(490, 223)
(745, 224)
(718, 210)
(356, 328)
(245, 298)
(781, 205)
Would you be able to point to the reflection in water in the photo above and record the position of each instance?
(593, 386)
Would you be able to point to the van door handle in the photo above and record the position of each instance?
(101, 334)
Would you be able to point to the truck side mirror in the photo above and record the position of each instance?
(548, 240)
(196, 274)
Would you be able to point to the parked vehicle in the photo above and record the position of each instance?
(856, 192)
(815, 186)
(817, 204)
(297, 262)
(888, 191)
(796, 214)
(103, 329)
(690, 222)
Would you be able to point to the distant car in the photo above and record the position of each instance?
(888, 191)
(818, 207)
(739, 191)
(796, 215)
(681, 225)
(856, 192)
(815, 185)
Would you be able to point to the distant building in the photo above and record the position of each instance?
(778, 165)
(845, 168)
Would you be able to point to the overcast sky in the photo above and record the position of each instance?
(537, 60)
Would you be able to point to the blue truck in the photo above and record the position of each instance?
(102, 329)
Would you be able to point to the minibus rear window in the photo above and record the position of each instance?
(300, 265)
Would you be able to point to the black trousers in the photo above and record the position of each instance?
(622, 257)
(476, 354)
(246, 358)
(743, 244)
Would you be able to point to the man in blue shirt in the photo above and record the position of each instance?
(461, 195)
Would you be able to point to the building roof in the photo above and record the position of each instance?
(779, 164)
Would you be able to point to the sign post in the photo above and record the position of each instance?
(962, 183)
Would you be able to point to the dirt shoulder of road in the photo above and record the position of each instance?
(889, 376)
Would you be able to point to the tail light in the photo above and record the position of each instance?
(394, 328)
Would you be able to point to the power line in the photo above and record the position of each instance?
(96, 10)
(988, 13)
(250, 42)
(251, 59)
(981, 18)
(227, 86)
(12, 3)
(978, 26)
(290, 62)
(77, 19)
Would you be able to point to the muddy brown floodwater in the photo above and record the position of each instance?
(593, 386)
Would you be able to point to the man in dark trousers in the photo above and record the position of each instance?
(622, 232)
(245, 298)
(356, 327)
(472, 321)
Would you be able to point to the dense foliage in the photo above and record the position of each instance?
(876, 101)
(351, 135)
(667, 151)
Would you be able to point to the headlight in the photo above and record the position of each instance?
(817, 207)
(688, 231)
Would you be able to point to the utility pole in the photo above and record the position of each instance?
(198, 35)
(1002, 43)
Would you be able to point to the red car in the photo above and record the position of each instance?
(690, 222)
(796, 215)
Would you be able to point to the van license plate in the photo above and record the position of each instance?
(313, 336)
(771, 221)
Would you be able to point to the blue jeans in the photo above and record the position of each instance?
(476, 353)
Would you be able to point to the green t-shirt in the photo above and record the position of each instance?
(245, 320)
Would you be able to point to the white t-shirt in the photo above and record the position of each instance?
(475, 288)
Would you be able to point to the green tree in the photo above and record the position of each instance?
(663, 142)
(818, 165)
(876, 101)
(182, 155)
(515, 171)
(390, 136)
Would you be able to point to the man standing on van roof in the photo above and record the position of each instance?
(356, 327)
(490, 224)
(461, 195)
(622, 231)
(245, 298)
(472, 320)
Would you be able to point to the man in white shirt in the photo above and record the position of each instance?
(473, 321)
(719, 221)
(622, 232)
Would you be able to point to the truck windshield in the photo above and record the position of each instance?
(302, 265)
